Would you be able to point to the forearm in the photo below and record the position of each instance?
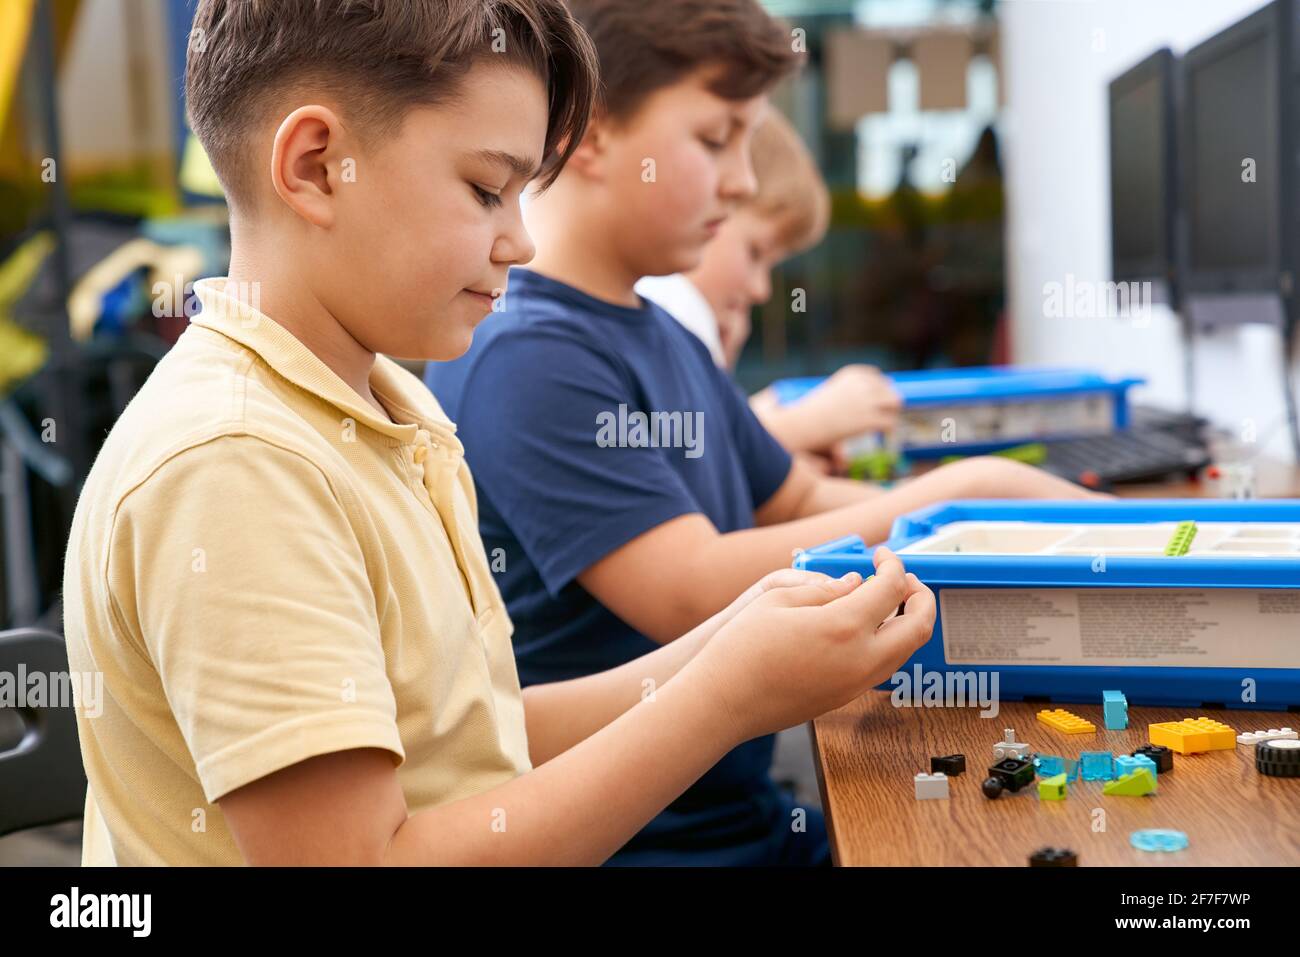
(562, 713)
(580, 807)
(799, 427)
(831, 493)
(724, 565)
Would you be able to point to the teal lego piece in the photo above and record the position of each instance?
(1097, 765)
(1049, 765)
(1127, 764)
(1158, 839)
(1114, 710)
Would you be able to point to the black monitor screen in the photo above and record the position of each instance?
(1137, 176)
(1233, 112)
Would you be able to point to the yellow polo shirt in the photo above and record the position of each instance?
(264, 569)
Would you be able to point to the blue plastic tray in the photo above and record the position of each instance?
(1223, 561)
(988, 385)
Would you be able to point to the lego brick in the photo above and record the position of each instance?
(1114, 717)
(1114, 710)
(1136, 784)
(1158, 839)
(1097, 765)
(1048, 765)
(1014, 773)
(1053, 788)
(931, 786)
(1192, 735)
(1163, 757)
(950, 764)
(992, 788)
(1054, 857)
(1180, 542)
(1009, 747)
(1065, 722)
(1127, 764)
(1274, 734)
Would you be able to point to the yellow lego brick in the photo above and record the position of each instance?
(1067, 723)
(1192, 735)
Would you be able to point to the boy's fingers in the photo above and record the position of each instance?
(791, 577)
(896, 639)
(870, 603)
(815, 593)
(884, 558)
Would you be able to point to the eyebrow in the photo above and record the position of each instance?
(519, 165)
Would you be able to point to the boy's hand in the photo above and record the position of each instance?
(859, 399)
(799, 651)
(781, 578)
(992, 476)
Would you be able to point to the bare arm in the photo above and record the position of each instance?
(348, 807)
(789, 655)
(562, 713)
(679, 573)
(825, 494)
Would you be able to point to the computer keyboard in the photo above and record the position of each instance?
(1134, 455)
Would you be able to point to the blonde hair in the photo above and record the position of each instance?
(791, 190)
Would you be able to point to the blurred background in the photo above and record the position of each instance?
(965, 143)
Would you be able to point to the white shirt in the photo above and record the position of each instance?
(680, 298)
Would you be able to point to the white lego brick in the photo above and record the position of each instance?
(1276, 734)
(1009, 747)
(931, 786)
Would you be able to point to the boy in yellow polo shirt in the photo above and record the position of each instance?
(274, 563)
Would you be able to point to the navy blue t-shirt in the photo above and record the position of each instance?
(586, 424)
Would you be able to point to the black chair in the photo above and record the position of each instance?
(41, 778)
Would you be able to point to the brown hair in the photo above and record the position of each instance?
(645, 45)
(381, 57)
(791, 191)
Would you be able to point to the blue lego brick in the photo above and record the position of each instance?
(1049, 765)
(1126, 764)
(1097, 765)
(1114, 710)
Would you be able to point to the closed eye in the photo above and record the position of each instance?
(490, 200)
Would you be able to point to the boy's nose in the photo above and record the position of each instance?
(515, 247)
(738, 180)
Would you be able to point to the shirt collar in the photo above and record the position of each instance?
(230, 309)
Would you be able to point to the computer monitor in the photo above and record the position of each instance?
(1143, 172)
(1238, 165)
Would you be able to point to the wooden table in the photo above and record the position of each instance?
(868, 752)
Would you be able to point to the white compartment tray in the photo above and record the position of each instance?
(1138, 540)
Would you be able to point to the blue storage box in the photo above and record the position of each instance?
(975, 410)
(1060, 601)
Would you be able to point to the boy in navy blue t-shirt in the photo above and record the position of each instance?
(626, 491)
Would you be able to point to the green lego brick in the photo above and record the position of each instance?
(1136, 784)
(1181, 541)
(1052, 789)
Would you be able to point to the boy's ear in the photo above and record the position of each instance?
(589, 159)
(305, 162)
